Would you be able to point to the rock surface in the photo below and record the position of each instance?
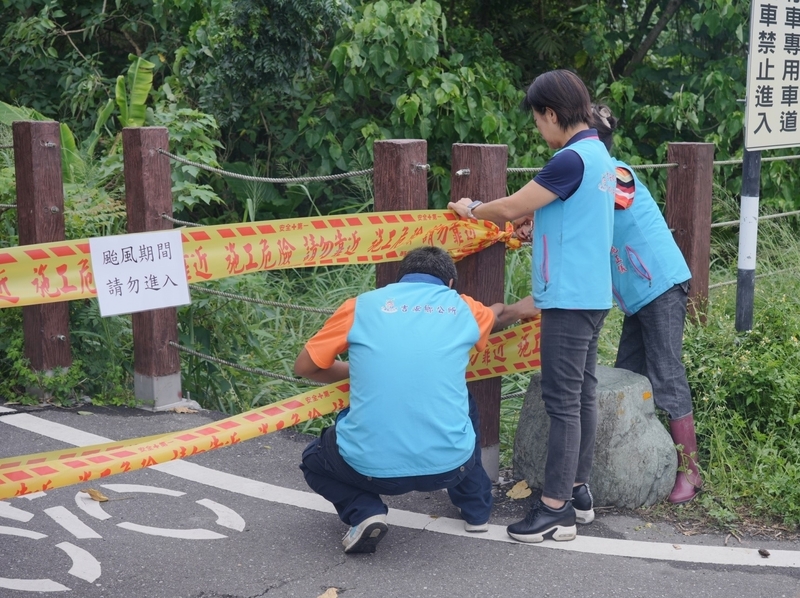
(634, 461)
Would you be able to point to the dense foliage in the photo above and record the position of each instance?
(305, 87)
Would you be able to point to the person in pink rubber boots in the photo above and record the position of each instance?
(651, 283)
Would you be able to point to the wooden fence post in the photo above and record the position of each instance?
(689, 191)
(148, 195)
(481, 276)
(400, 178)
(40, 217)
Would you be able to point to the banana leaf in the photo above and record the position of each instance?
(133, 107)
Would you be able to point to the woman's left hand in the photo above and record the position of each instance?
(460, 207)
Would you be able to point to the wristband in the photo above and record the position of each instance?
(471, 207)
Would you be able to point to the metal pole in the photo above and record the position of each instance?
(748, 237)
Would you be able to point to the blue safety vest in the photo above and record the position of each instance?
(409, 351)
(572, 238)
(645, 260)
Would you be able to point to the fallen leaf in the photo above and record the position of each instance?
(676, 547)
(184, 410)
(763, 552)
(96, 495)
(330, 593)
(520, 490)
(85, 413)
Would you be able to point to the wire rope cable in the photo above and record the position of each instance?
(317, 310)
(244, 368)
(259, 179)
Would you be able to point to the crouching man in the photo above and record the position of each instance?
(411, 424)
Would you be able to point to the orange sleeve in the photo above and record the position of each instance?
(484, 316)
(331, 340)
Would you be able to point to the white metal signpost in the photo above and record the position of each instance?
(773, 98)
(139, 272)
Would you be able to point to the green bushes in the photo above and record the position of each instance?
(746, 392)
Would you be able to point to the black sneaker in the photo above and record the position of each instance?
(364, 537)
(543, 522)
(583, 502)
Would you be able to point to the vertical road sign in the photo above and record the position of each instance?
(773, 75)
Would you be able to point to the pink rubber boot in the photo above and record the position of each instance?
(688, 481)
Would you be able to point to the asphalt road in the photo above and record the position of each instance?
(240, 522)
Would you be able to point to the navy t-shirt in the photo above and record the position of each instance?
(564, 172)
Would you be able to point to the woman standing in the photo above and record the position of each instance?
(651, 285)
(571, 202)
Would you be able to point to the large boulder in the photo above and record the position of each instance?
(634, 460)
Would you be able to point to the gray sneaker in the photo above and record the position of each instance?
(364, 537)
(474, 528)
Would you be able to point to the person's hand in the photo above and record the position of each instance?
(527, 309)
(523, 229)
(460, 206)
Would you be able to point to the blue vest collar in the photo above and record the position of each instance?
(418, 277)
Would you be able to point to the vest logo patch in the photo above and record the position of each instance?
(389, 307)
(608, 182)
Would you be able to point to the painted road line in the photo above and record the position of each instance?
(84, 565)
(165, 532)
(32, 585)
(90, 506)
(33, 495)
(22, 533)
(9, 512)
(586, 544)
(28, 585)
(6, 410)
(226, 517)
(70, 522)
(43, 427)
(455, 527)
(140, 488)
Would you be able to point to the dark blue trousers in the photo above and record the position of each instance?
(357, 497)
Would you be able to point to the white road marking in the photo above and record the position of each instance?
(6, 410)
(226, 517)
(306, 500)
(84, 565)
(73, 436)
(140, 488)
(23, 533)
(90, 506)
(32, 585)
(33, 495)
(9, 512)
(70, 522)
(28, 585)
(165, 532)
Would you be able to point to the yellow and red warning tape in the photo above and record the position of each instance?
(62, 271)
(512, 350)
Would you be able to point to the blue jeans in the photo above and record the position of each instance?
(651, 344)
(568, 344)
(357, 497)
